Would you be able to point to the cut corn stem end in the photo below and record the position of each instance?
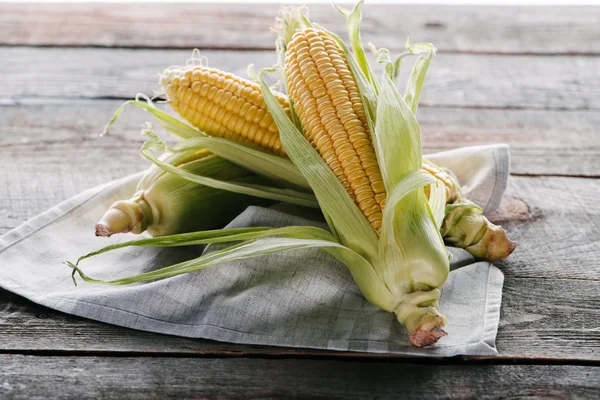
(419, 313)
(422, 338)
(494, 245)
(465, 227)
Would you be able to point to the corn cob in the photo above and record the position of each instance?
(451, 187)
(223, 105)
(166, 204)
(330, 108)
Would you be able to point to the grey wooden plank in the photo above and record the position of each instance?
(31, 377)
(463, 29)
(34, 377)
(455, 80)
(549, 318)
(554, 220)
(537, 138)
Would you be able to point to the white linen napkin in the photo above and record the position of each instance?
(299, 298)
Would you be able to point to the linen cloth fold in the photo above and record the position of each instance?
(297, 298)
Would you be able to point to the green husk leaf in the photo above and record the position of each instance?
(255, 160)
(252, 158)
(419, 72)
(171, 124)
(410, 245)
(410, 183)
(353, 20)
(398, 136)
(383, 56)
(177, 158)
(177, 205)
(255, 244)
(348, 222)
(264, 191)
(412, 253)
(216, 236)
(437, 202)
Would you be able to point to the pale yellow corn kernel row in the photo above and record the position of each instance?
(442, 176)
(329, 106)
(223, 105)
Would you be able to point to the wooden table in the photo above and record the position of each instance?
(529, 77)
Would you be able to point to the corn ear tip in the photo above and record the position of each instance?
(290, 20)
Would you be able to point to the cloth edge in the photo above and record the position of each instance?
(501, 154)
(493, 304)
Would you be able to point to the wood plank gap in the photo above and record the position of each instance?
(259, 48)
(545, 278)
(503, 108)
(133, 47)
(317, 355)
(526, 175)
(22, 100)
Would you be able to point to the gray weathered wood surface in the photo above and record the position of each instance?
(243, 378)
(558, 82)
(229, 26)
(525, 76)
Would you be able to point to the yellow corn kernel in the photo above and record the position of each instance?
(223, 105)
(449, 184)
(330, 109)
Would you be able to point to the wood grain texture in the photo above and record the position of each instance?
(452, 29)
(556, 230)
(555, 318)
(537, 138)
(34, 377)
(454, 80)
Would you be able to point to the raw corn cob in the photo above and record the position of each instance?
(166, 204)
(407, 252)
(464, 224)
(223, 105)
(330, 109)
(450, 185)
